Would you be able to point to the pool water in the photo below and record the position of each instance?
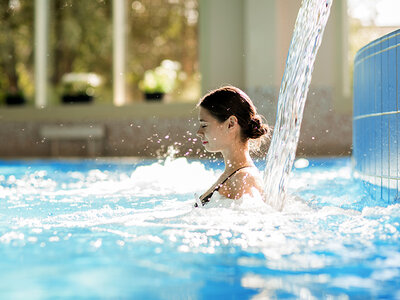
(127, 229)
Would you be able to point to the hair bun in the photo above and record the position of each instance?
(256, 128)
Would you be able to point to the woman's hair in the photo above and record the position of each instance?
(230, 101)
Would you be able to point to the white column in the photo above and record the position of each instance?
(119, 52)
(259, 46)
(41, 51)
(221, 43)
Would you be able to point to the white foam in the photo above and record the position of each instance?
(173, 176)
(156, 202)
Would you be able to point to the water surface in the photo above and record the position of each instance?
(127, 229)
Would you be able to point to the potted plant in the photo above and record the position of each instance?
(12, 94)
(79, 87)
(159, 81)
(15, 98)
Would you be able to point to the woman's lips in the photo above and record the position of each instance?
(204, 142)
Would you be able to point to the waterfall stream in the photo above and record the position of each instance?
(310, 24)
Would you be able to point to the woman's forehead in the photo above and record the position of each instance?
(204, 114)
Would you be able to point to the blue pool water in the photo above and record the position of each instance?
(126, 229)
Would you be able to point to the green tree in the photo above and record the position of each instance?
(16, 40)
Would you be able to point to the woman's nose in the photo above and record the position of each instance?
(199, 132)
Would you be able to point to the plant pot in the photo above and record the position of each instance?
(78, 98)
(153, 96)
(15, 99)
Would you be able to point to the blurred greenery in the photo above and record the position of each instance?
(16, 53)
(362, 32)
(162, 79)
(159, 30)
(80, 41)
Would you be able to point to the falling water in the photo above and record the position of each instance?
(307, 36)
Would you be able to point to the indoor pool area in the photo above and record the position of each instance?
(165, 150)
(117, 229)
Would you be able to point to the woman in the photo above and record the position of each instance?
(228, 121)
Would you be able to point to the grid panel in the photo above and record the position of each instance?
(376, 112)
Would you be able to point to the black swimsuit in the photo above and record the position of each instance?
(207, 198)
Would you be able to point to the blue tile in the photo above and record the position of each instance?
(393, 154)
(393, 39)
(385, 76)
(396, 171)
(378, 149)
(360, 150)
(355, 142)
(367, 156)
(368, 72)
(369, 89)
(361, 91)
(364, 144)
(357, 90)
(373, 49)
(386, 43)
(371, 147)
(398, 70)
(393, 150)
(378, 83)
(392, 80)
(385, 145)
(398, 145)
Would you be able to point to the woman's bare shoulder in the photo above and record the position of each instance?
(242, 182)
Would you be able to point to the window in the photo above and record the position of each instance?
(80, 42)
(80, 46)
(160, 30)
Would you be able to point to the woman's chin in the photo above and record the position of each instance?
(209, 149)
(206, 147)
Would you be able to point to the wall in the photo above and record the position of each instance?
(141, 129)
(376, 122)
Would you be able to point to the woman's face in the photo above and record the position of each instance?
(213, 133)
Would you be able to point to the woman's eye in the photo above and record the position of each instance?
(203, 126)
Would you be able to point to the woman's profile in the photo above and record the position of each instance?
(228, 121)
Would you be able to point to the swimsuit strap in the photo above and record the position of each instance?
(207, 198)
(233, 173)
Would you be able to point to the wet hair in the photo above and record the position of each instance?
(230, 101)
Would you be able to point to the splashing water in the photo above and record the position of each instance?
(127, 229)
(311, 20)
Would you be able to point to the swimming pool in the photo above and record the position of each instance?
(126, 229)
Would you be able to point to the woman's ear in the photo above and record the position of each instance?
(232, 121)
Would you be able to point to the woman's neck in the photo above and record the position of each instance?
(237, 157)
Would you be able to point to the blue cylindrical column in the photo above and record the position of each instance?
(376, 119)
